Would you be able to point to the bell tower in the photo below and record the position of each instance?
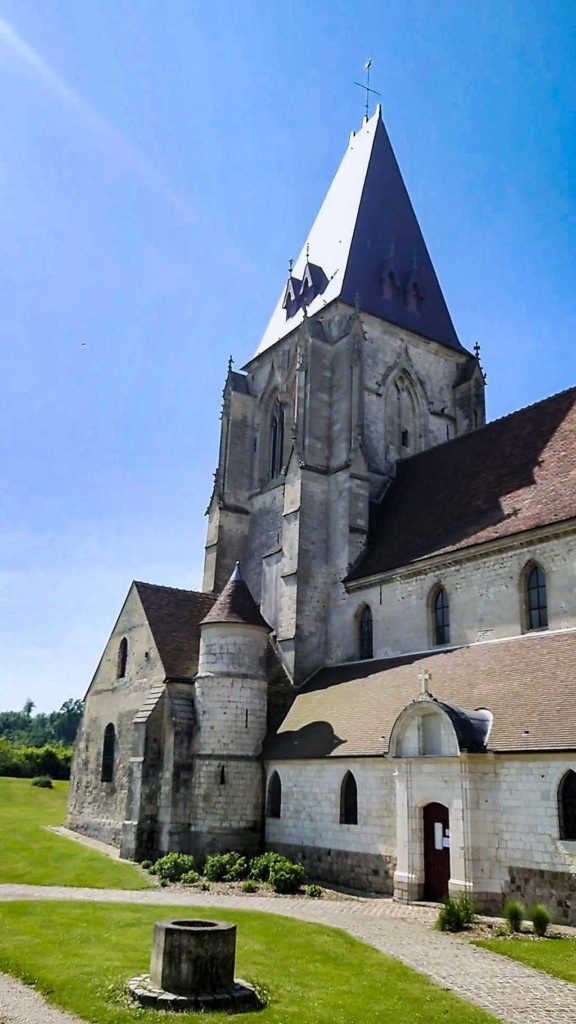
(360, 366)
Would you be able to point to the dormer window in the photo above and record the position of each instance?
(314, 282)
(291, 301)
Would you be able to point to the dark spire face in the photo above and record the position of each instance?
(236, 604)
(365, 223)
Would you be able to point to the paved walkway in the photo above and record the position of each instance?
(513, 993)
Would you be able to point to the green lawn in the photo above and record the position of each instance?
(554, 956)
(81, 957)
(31, 854)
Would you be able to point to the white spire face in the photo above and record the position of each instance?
(365, 216)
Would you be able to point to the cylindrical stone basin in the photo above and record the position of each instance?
(190, 957)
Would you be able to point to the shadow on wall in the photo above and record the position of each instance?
(317, 739)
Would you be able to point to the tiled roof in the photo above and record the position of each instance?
(366, 216)
(236, 604)
(512, 475)
(527, 683)
(174, 617)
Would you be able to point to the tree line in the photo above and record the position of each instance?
(38, 744)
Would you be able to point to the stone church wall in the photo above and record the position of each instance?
(97, 808)
(359, 856)
(486, 596)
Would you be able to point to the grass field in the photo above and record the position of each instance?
(30, 854)
(81, 956)
(555, 956)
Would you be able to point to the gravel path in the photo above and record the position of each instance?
(512, 992)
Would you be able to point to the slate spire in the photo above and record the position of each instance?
(367, 216)
(236, 604)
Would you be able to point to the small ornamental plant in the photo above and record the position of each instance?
(172, 866)
(514, 915)
(540, 917)
(249, 886)
(287, 878)
(260, 867)
(190, 878)
(314, 891)
(457, 913)
(43, 781)
(225, 867)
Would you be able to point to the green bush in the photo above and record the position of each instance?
(540, 917)
(225, 867)
(466, 904)
(43, 781)
(190, 878)
(172, 866)
(261, 866)
(249, 886)
(26, 762)
(314, 891)
(456, 914)
(204, 886)
(514, 915)
(146, 864)
(287, 878)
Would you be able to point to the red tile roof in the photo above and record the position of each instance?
(526, 682)
(174, 617)
(512, 475)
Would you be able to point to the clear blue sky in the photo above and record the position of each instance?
(159, 164)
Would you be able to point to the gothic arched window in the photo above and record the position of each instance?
(348, 800)
(536, 600)
(276, 440)
(108, 751)
(365, 629)
(122, 658)
(441, 617)
(567, 806)
(274, 797)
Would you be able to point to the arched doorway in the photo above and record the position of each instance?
(436, 851)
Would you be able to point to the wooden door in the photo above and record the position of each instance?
(436, 851)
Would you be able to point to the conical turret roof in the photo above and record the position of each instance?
(366, 225)
(236, 604)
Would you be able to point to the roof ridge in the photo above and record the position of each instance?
(176, 590)
(487, 426)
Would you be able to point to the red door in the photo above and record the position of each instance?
(436, 851)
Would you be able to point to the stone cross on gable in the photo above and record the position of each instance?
(424, 677)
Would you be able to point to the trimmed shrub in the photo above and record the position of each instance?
(43, 781)
(314, 891)
(249, 886)
(172, 866)
(190, 878)
(146, 864)
(287, 878)
(540, 917)
(225, 867)
(514, 915)
(261, 866)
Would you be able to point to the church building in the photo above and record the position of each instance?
(377, 677)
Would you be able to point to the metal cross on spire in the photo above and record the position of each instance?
(367, 67)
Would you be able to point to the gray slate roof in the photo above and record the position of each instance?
(528, 683)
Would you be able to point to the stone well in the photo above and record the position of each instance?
(192, 967)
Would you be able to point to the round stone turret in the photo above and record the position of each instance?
(230, 710)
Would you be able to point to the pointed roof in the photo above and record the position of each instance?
(366, 216)
(236, 604)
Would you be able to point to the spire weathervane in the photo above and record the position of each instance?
(367, 66)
